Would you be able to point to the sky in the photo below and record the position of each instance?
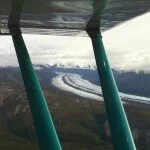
(127, 46)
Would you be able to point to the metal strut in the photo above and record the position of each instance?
(44, 126)
(46, 133)
(120, 130)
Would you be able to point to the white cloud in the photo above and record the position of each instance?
(127, 46)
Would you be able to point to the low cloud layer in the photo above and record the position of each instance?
(127, 46)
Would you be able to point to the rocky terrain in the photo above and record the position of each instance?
(81, 123)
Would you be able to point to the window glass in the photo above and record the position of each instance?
(67, 72)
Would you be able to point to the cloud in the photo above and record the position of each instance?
(127, 46)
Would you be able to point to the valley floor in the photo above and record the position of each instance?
(81, 123)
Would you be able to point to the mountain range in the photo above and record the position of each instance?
(81, 123)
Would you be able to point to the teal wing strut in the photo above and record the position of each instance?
(119, 126)
(120, 130)
(44, 126)
(46, 133)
